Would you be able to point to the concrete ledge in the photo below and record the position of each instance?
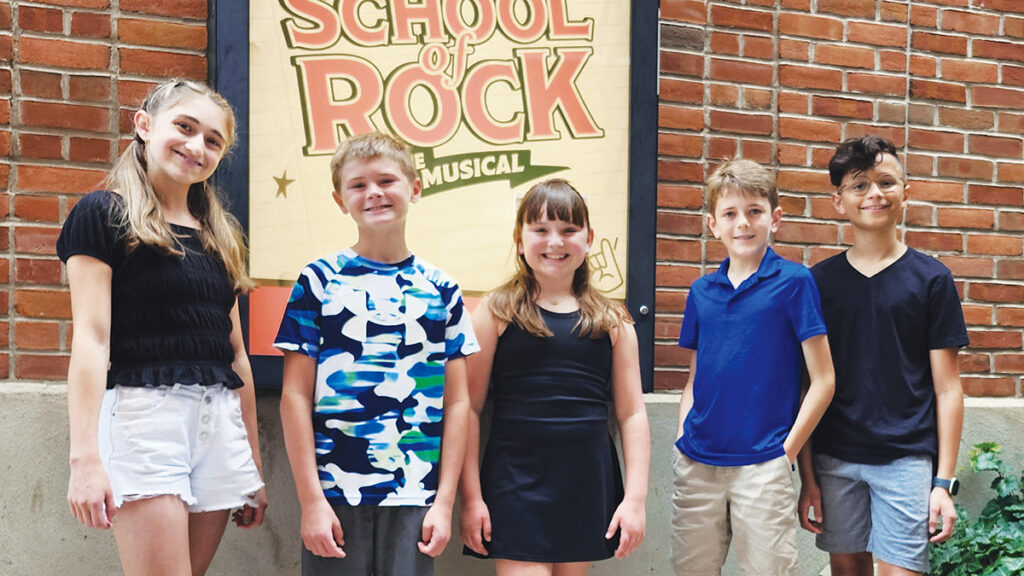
(41, 537)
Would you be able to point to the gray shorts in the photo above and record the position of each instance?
(877, 508)
(379, 541)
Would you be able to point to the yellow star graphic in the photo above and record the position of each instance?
(282, 185)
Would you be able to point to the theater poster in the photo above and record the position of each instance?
(493, 96)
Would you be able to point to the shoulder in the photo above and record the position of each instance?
(433, 274)
(925, 264)
(829, 264)
(100, 203)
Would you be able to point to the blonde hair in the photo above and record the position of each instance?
(743, 175)
(367, 147)
(514, 302)
(142, 217)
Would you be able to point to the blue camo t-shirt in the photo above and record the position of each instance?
(746, 392)
(381, 334)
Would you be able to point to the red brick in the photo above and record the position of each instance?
(740, 123)
(67, 116)
(37, 335)
(918, 215)
(996, 146)
(972, 267)
(35, 239)
(1011, 172)
(676, 276)
(669, 354)
(812, 130)
(974, 363)
(741, 72)
(161, 33)
(33, 303)
(40, 19)
(966, 119)
(680, 145)
(790, 49)
(804, 5)
(162, 64)
(6, 83)
(669, 301)
(725, 43)
(920, 165)
(758, 47)
(1004, 195)
(969, 71)
(678, 250)
(5, 16)
(792, 205)
(40, 146)
(965, 168)
(683, 224)
(192, 9)
(90, 25)
(63, 53)
(994, 338)
(1011, 363)
(58, 179)
(997, 97)
(995, 244)
(876, 34)
(677, 196)
(89, 150)
(739, 18)
(1010, 293)
(78, 3)
(981, 48)
(884, 85)
(803, 181)
(1001, 5)
(677, 171)
(37, 271)
(6, 48)
(680, 118)
(720, 148)
(977, 314)
(935, 140)
(37, 208)
(892, 112)
(41, 367)
(944, 43)
(792, 24)
(669, 380)
(1007, 316)
(854, 8)
(924, 66)
(931, 90)
(685, 91)
(1013, 75)
(976, 386)
(5, 278)
(936, 241)
(792, 76)
(793, 154)
(756, 99)
(794, 103)
(845, 56)
(758, 151)
(807, 232)
(39, 84)
(1013, 26)
(894, 133)
(966, 218)
(724, 95)
(1011, 221)
(970, 22)
(842, 107)
(692, 11)
(682, 64)
(5, 111)
(90, 88)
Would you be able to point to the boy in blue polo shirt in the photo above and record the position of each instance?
(751, 325)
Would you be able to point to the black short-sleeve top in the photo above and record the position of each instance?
(170, 317)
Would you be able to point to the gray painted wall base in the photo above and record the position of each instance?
(40, 537)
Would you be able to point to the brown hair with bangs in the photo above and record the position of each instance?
(514, 302)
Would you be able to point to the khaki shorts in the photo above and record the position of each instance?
(753, 505)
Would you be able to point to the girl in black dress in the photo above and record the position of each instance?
(548, 498)
(160, 395)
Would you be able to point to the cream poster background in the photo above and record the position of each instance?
(494, 95)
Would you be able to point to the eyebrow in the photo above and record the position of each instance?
(196, 121)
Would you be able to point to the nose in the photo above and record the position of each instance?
(195, 144)
(741, 220)
(372, 191)
(874, 189)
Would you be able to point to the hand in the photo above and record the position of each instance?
(89, 494)
(630, 519)
(940, 506)
(437, 530)
(475, 526)
(249, 516)
(321, 531)
(810, 499)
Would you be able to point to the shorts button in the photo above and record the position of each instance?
(207, 399)
(204, 436)
(206, 419)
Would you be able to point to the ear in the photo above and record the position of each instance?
(590, 238)
(712, 225)
(776, 218)
(417, 191)
(338, 200)
(837, 203)
(906, 192)
(143, 124)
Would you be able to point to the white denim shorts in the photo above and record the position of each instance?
(184, 440)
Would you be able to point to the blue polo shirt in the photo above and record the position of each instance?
(746, 392)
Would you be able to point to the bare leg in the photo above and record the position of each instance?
(205, 529)
(856, 564)
(517, 568)
(153, 537)
(886, 569)
(572, 569)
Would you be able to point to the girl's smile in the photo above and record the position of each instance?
(554, 248)
(184, 142)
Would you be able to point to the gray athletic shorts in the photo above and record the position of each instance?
(379, 541)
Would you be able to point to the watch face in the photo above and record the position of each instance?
(954, 487)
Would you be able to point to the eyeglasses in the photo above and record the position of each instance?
(861, 186)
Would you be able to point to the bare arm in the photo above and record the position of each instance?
(321, 530)
(686, 400)
(475, 520)
(949, 408)
(819, 394)
(437, 524)
(248, 516)
(89, 494)
(631, 414)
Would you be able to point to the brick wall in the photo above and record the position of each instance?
(71, 74)
(783, 81)
(777, 81)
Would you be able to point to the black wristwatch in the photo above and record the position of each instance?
(951, 485)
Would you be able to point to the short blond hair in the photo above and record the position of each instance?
(367, 147)
(744, 175)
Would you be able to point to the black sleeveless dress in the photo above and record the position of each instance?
(550, 474)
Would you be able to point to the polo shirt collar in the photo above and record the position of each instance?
(771, 264)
